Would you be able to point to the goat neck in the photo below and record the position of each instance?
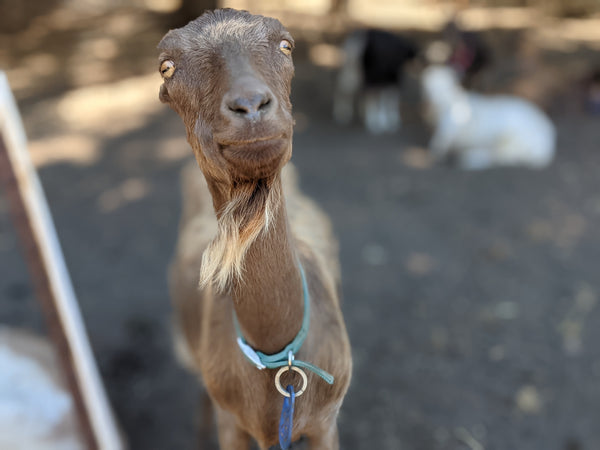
(442, 90)
(268, 297)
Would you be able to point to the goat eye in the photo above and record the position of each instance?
(286, 47)
(167, 68)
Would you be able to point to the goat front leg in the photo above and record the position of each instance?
(442, 139)
(325, 439)
(231, 437)
(206, 432)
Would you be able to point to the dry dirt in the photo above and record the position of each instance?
(471, 298)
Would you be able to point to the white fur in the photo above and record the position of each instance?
(485, 131)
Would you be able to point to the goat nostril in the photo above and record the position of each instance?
(249, 106)
(239, 106)
(239, 110)
(266, 102)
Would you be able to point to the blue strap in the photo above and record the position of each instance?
(286, 420)
(280, 359)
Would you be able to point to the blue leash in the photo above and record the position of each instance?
(285, 358)
(287, 418)
(262, 360)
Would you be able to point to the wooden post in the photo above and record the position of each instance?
(51, 280)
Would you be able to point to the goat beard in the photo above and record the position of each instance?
(244, 218)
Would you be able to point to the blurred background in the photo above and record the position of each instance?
(471, 298)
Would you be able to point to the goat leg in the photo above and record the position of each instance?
(231, 436)
(206, 435)
(442, 139)
(326, 439)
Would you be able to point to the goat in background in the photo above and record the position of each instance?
(370, 79)
(484, 131)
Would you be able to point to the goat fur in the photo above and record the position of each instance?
(244, 227)
(371, 77)
(484, 131)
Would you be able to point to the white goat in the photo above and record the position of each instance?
(484, 131)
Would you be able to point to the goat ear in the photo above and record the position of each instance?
(163, 95)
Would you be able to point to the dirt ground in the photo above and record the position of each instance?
(471, 298)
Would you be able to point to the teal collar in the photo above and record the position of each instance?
(285, 356)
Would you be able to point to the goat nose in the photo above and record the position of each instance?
(249, 105)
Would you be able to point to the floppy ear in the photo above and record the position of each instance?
(163, 95)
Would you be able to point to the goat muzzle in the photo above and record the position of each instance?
(257, 158)
(249, 100)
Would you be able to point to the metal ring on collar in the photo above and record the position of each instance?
(280, 388)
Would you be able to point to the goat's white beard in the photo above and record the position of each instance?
(244, 218)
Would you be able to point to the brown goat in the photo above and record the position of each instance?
(228, 75)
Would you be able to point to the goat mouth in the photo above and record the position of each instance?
(255, 155)
(249, 144)
(258, 148)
